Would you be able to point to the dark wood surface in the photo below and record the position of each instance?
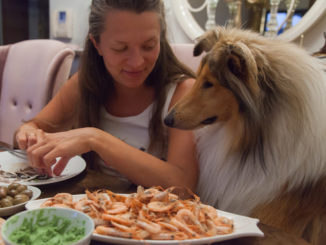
(92, 180)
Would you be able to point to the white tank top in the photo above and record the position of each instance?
(133, 130)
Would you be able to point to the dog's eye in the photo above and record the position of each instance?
(207, 84)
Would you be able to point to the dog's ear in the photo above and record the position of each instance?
(241, 62)
(235, 61)
(205, 42)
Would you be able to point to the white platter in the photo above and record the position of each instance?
(16, 208)
(12, 163)
(243, 227)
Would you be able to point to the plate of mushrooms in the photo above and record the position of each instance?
(14, 196)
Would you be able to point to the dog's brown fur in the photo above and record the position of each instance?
(300, 212)
(264, 152)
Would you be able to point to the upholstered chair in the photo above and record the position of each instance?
(31, 73)
(184, 52)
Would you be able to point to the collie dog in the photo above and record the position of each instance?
(259, 110)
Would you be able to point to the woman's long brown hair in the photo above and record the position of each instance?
(96, 84)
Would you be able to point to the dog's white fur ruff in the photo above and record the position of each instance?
(295, 152)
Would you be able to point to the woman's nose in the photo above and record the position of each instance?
(135, 58)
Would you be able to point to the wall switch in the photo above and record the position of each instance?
(61, 24)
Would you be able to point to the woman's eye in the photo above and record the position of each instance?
(119, 49)
(148, 48)
(207, 84)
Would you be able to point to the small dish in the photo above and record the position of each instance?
(49, 225)
(12, 163)
(16, 208)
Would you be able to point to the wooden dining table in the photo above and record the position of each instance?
(92, 180)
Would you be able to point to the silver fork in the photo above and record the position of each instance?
(16, 152)
(19, 153)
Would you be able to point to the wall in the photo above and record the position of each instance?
(174, 30)
(1, 35)
(312, 42)
(80, 21)
(223, 11)
(79, 10)
(313, 39)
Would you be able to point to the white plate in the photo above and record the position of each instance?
(243, 227)
(16, 208)
(11, 163)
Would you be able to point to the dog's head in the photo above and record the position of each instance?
(226, 81)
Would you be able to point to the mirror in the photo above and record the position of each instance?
(253, 15)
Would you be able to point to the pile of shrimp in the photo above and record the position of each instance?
(152, 213)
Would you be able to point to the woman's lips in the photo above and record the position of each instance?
(134, 74)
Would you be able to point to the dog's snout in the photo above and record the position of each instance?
(169, 119)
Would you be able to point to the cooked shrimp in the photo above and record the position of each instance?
(222, 230)
(141, 234)
(122, 219)
(160, 206)
(223, 221)
(214, 229)
(151, 213)
(145, 215)
(115, 197)
(64, 199)
(162, 196)
(87, 206)
(211, 228)
(133, 203)
(60, 205)
(209, 211)
(109, 231)
(167, 226)
(183, 227)
(187, 217)
(117, 208)
(48, 203)
(121, 227)
(146, 195)
(149, 226)
(102, 199)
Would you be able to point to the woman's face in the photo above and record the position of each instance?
(130, 46)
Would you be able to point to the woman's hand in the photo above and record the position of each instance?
(66, 145)
(27, 135)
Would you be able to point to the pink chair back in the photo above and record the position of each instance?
(31, 73)
(184, 52)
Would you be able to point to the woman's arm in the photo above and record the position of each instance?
(140, 167)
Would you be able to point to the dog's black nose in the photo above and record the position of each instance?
(169, 119)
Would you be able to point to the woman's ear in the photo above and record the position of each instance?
(95, 44)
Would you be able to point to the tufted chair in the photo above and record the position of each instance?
(184, 52)
(31, 73)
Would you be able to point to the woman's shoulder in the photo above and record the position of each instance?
(74, 77)
(70, 89)
(72, 81)
(186, 84)
(181, 89)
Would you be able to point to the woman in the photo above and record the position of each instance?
(127, 80)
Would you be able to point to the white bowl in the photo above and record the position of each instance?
(19, 207)
(39, 219)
